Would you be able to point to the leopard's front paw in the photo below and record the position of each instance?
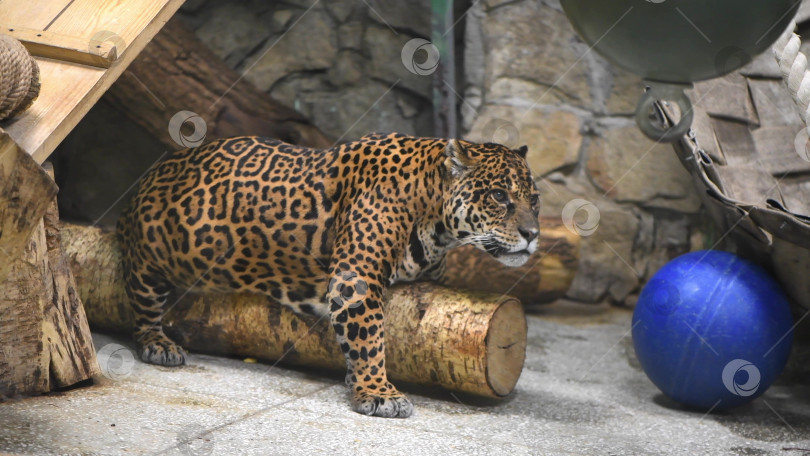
(388, 404)
(159, 349)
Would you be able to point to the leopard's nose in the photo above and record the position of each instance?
(529, 235)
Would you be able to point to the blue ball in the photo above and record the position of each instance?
(711, 330)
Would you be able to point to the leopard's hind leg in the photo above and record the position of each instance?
(148, 292)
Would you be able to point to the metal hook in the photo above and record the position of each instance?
(670, 92)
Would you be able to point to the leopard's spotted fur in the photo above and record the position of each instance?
(321, 231)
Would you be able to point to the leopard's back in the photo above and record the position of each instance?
(238, 214)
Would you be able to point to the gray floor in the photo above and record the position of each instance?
(581, 392)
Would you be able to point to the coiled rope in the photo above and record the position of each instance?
(793, 66)
(19, 78)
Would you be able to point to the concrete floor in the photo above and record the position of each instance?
(581, 392)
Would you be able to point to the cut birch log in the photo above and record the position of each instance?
(45, 341)
(463, 341)
(177, 72)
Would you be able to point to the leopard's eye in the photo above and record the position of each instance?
(533, 200)
(499, 196)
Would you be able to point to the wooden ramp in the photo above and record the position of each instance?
(104, 35)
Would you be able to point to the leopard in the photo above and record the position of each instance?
(321, 231)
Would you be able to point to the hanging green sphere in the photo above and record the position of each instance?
(680, 41)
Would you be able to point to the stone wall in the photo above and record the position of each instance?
(524, 78)
(530, 80)
(338, 61)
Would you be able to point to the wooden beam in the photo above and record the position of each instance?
(178, 72)
(40, 43)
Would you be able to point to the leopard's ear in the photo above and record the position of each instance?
(458, 159)
(522, 151)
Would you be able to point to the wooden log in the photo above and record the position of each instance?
(23, 367)
(25, 193)
(544, 278)
(45, 341)
(177, 72)
(66, 332)
(463, 341)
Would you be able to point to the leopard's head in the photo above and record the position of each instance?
(491, 200)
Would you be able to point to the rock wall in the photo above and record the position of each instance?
(530, 80)
(338, 61)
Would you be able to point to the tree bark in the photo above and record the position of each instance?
(45, 342)
(25, 192)
(462, 341)
(177, 72)
(544, 278)
(67, 338)
(23, 364)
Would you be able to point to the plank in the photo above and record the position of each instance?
(127, 19)
(32, 14)
(66, 48)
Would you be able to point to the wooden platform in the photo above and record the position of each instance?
(99, 33)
